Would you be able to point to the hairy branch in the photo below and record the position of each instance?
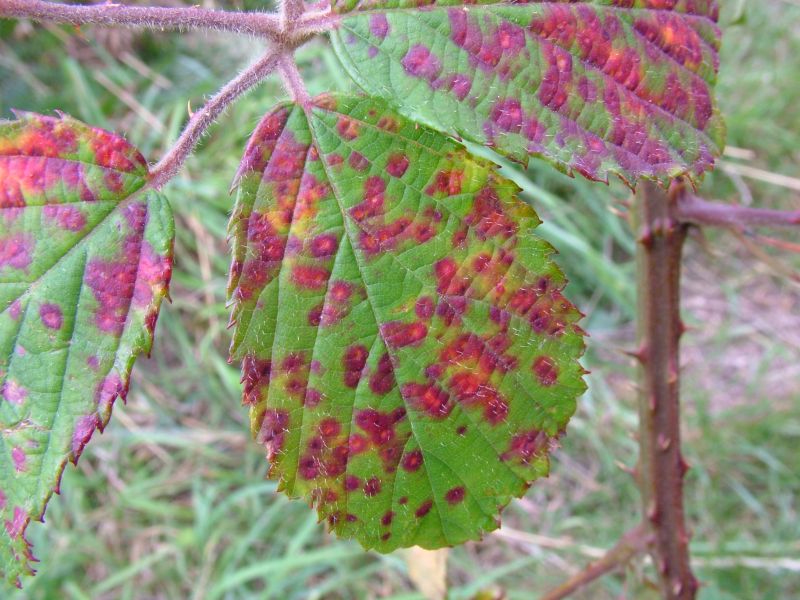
(628, 546)
(318, 22)
(253, 23)
(697, 211)
(291, 12)
(293, 81)
(661, 467)
(168, 166)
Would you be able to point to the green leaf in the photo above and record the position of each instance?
(85, 259)
(593, 86)
(408, 357)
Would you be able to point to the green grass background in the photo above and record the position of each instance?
(172, 502)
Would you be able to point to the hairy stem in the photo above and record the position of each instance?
(253, 23)
(291, 12)
(697, 211)
(169, 165)
(628, 546)
(318, 22)
(293, 81)
(661, 468)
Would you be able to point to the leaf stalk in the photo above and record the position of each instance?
(698, 211)
(172, 161)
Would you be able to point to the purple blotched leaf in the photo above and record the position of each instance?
(593, 86)
(409, 359)
(85, 260)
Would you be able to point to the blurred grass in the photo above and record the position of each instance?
(171, 501)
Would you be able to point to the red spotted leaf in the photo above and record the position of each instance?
(409, 359)
(593, 86)
(85, 259)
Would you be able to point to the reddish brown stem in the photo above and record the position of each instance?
(172, 161)
(697, 211)
(253, 23)
(629, 545)
(661, 467)
(293, 81)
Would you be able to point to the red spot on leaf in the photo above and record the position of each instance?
(507, 114)
(461, 85)
(293, 362)
(315, 315)
(379, 426)
(65, 216)
(19, 459)
(16, 252)
(424, 508)
(358, 161)
(510, 37)
(372, 205)
(488, 217)
(372, 487)
(455, 495)
(329, 427)
(424, 308)
(308, 467)
(382, 380)
(526, 446)
(310, 277)
(84, 428)
(355, 357)
(14, 392)
(445, 271)
(379, 25)
(347, 127)
(546, 370)
(51, 316)
(420, 62)
(412, 461)
(472, 388)
(398, 334)
(428, 398)
(397, 165)
(255, 375)
(274, 426)
(341, 291)
(446, 182)
(16, 526)
(324, 245)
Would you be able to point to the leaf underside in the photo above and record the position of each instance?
(85, 259)
(408, 357)
(599, 87)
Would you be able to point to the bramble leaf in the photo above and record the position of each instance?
(85, 259)
(593, 86)
(408, 357)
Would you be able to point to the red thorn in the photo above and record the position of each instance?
(652, 511)
(662, 566)
(683, 466)
(639, 354)
(682, 328)
(646, 237)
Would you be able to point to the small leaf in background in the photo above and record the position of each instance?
(85, 260)
(408, 357)
(595, 86)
